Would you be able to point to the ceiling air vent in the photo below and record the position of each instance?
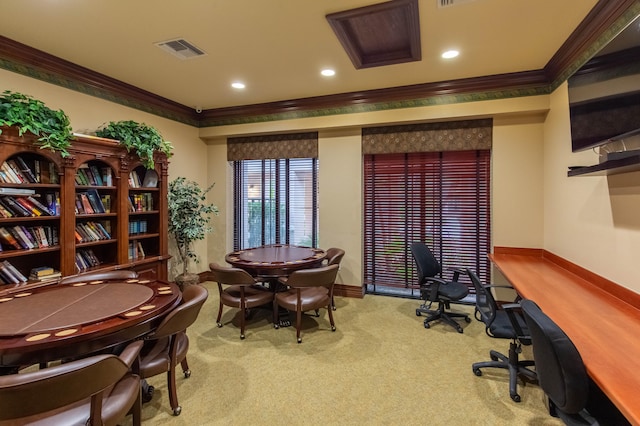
(448, 3)
(180, 48)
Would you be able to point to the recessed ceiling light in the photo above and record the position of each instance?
(450, 54)
(237, 85)
(328, 72)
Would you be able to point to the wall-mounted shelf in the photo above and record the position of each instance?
(610, 167)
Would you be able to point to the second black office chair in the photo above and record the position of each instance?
(434, 289)
(505, 322)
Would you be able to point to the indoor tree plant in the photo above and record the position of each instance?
(189, 221)
(140, 138)
(31, 115)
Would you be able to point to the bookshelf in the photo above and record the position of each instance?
(67, 216)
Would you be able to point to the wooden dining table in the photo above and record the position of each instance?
(276, 260)
(62, 321)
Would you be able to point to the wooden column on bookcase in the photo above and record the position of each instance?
(123, 210)
(163, 184)
(66, 233)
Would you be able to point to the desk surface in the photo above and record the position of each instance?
(277, 259)
(605, 329)
(58, 321)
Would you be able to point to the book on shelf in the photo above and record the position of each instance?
(17, 275)
(95, 201)
(8, 239)
(25, 170)
(45, 209)
(52, 276)
(28, 206)
(40, 271)
(107, 176)
(15, 170)
(10, 203)
(17, 191)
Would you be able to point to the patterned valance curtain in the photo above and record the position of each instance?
(429, 137)
(295, 145)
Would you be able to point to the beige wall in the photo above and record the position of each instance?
(592, 221)
(517, 172)
(87, 113)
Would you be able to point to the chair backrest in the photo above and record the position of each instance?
(230, 276)
(426, 263)
(33, 393)
(123, 275)
(561, 372)
(179, 319)
(486, 305)
(334, 256)
(314, 277)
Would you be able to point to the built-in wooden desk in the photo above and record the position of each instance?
(601, 318)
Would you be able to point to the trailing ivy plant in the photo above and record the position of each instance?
(140, 138)
(31, 115)
(189, 217)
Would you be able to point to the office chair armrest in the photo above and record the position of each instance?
(456, 272)
(514, 310)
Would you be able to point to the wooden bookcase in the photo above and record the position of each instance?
(94, 218)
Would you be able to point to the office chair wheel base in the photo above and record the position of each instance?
(418, 314)
(467, 320)
(177, 410)
(516, 397)
(477, 372)
(427, 325)
(187, 374)
(460, 330)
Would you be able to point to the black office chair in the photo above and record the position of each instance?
(561, 373)
(503, 322)
(435, 289)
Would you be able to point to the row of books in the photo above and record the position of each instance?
(86, 259)
(90, 202)
(24, 170)
(10, 275)
(137, 227)
(93, 231)
(141, 202)
(93, 175)
(24, 206)
(28, 237)
(135, 250)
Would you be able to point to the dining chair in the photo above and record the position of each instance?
(309, 289)
(334, 257)
(238, 289)
(97, 390)
(119, 275)
(168, 345)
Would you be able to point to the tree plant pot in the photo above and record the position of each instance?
(185, 280)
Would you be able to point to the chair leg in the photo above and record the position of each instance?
(219, 315)
(298, 322)
(173, 392)
(333, 325)
(136, 410)
(185, 367)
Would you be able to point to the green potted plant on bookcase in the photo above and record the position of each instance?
(189, 221)
(31, 115)
(140, 138)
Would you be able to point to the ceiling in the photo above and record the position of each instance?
(278, 47)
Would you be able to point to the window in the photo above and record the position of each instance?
(275, 202)
(439, 197)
